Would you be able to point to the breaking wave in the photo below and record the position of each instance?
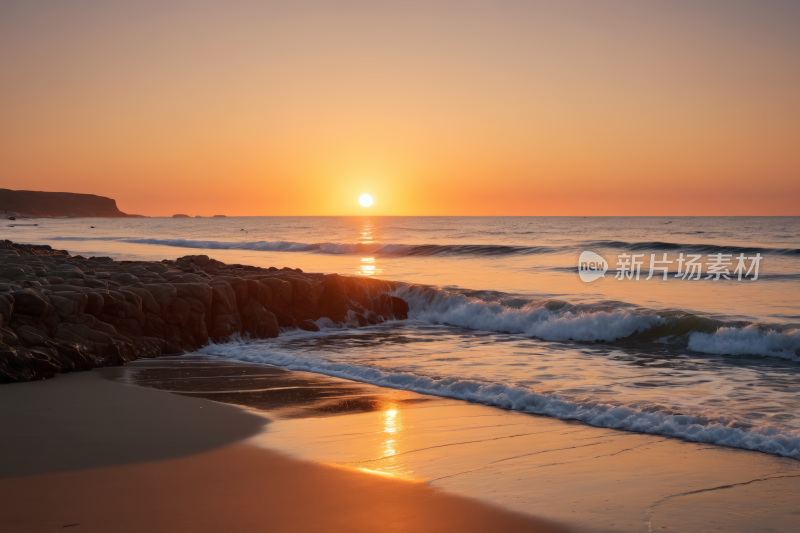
(557, 320)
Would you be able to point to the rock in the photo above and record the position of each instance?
(68, 274)
(29, 336)
(198, 291)
(45, 361)
(399, 308)
(180, 216)
(7, 336)
(308, 325)
(179, 311)
(162, 293)
(201, 260)
(132, 298)
(65, 333)
(94, 303)
(278, 295)
(240, 289)
(195, 329)
(356, 319)
(125, 278)
(258, 320)
(95, 283)
(68, 313)
(31, 303)
(225, 320)
(333, 301)
(12, 273)
(64, 306)
(19, 364)
(73, 356)
(373, 317)
(149, 347)
(6, 308)
(146, 300)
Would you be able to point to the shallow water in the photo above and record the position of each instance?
(505, 319)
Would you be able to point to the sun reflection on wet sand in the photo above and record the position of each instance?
(391, 422)
(392, 426)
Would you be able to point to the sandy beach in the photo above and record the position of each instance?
(109, 455)
(89, 453)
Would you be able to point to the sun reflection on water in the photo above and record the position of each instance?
(366, 232)
(367, 236)
(368, 267)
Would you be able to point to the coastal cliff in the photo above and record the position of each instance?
(58, 204)
(62, 313)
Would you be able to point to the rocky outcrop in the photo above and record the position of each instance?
(57, 204)
(62, 313)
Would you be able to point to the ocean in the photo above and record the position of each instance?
(706, 350)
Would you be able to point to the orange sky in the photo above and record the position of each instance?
(434, 108)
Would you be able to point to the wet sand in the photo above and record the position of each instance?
(592, 478)
(92, 454)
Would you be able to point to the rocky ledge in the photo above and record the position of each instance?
(63, 313)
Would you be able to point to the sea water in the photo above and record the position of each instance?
(500, 315)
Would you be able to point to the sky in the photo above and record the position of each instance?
(434, 108)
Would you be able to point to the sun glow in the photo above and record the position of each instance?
(365, 200)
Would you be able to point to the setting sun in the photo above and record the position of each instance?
(365, 200)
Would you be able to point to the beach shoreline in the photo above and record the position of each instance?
(159, 446)
(107, 456)
(588, 478)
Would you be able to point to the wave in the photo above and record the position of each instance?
(654, 420)
(750, 340)
(702, 248)
(557, 320)
(442, 250)
(537, 319)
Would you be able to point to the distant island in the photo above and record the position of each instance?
(180, 215)
(58, 204)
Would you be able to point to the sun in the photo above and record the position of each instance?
(365, 200)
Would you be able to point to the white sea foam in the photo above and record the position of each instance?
(748, 341)
(721, 431)
(441, 307)
(265, 246)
